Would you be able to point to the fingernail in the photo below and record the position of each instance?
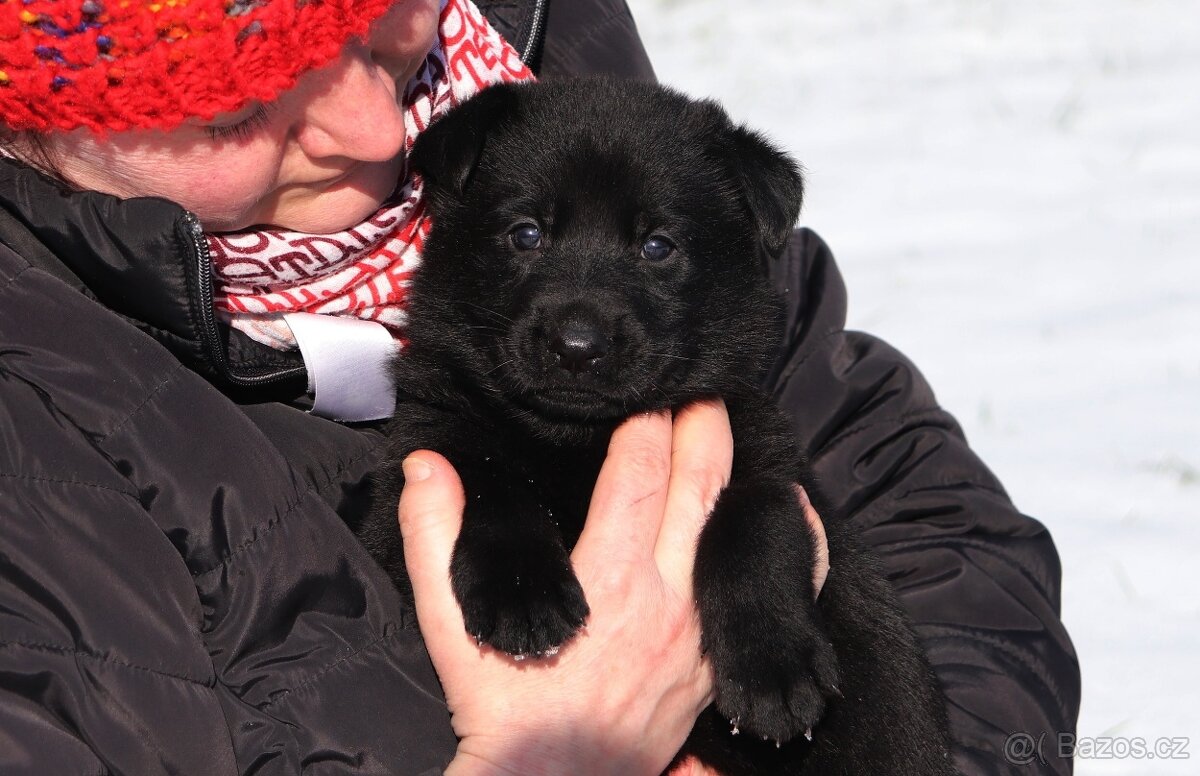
(415, 469)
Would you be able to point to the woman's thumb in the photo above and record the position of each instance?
(431, 507)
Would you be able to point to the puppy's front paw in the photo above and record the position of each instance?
(526, 607)
(775, 688)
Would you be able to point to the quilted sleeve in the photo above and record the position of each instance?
(979, 579)
(175, 597)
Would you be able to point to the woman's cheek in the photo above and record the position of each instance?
(226, 190)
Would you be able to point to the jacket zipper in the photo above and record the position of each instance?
(210, 334)
(537, 31)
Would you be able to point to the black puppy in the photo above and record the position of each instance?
(597, 252)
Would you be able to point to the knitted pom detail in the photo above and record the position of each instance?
(112, 65)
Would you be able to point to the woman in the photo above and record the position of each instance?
(179, 591)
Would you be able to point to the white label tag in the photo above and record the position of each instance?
(349, 365)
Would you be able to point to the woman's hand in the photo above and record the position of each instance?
(622, 696)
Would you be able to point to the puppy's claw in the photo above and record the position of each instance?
(808, 734)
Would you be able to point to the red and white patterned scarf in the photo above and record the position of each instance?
(361, 272)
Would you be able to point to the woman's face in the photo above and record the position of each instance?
(320, 158)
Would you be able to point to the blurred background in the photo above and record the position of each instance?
(1012, 189)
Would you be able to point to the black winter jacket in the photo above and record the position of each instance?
(179, 592)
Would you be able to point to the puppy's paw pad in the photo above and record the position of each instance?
(526, 615)
(778, 695)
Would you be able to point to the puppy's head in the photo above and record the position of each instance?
(597, 247)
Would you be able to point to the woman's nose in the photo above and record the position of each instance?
(351, 111)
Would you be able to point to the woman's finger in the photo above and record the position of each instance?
(690, 766)
(430, 513)
(820, 543)
(631, 490)
(701, 459)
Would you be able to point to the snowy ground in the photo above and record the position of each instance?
(1031, 170)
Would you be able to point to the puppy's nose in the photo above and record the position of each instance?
(578, 346)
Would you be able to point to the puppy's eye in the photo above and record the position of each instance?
(526, 237)
(657, 249)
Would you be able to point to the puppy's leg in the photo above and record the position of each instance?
(774, 663)
(510, 571)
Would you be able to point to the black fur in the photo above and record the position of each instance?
(523, 359)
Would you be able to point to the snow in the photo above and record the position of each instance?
(1031, 171)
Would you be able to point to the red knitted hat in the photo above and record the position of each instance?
(121, 64)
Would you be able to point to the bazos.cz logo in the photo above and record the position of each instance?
(1026, 749)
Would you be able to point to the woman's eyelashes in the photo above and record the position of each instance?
(242, 129)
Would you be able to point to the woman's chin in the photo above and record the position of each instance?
(337, 217)
(339, 208)
(335, 207)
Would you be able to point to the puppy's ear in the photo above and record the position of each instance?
(447, 152)
(772, 184)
